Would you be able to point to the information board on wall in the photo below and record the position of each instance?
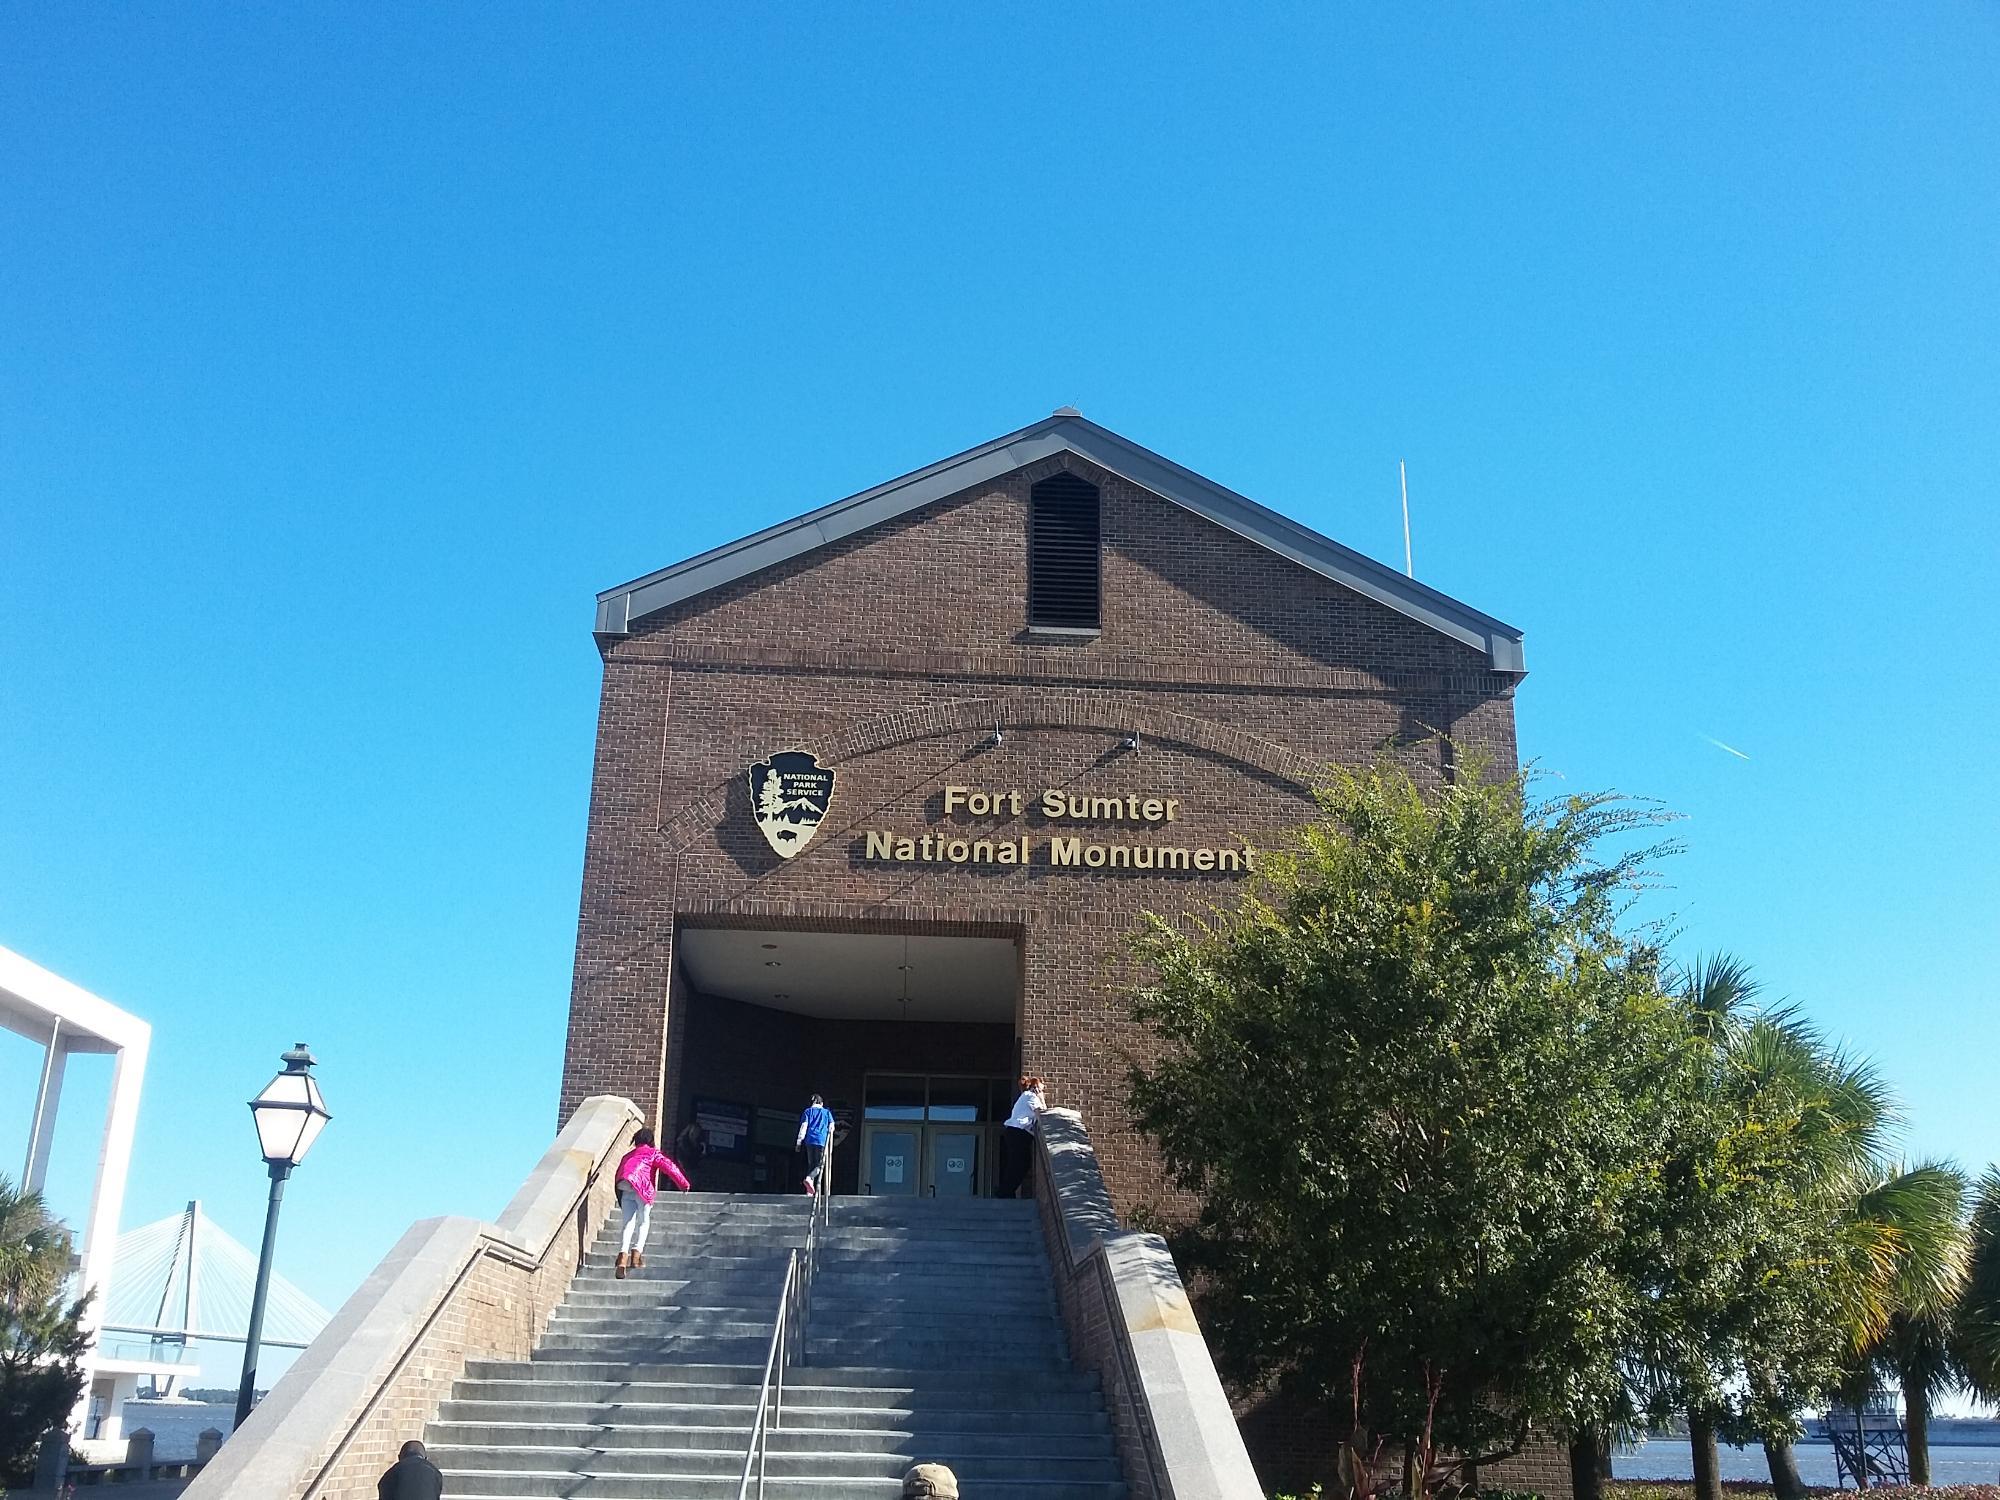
(728, 1127)
(777, 1128)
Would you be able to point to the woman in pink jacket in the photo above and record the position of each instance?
(639, 1173)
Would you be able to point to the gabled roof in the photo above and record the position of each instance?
(619, 609)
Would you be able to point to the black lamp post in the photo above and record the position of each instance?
(290, 1115)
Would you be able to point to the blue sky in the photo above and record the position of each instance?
(348, 351)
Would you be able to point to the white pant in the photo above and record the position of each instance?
(638, 1219)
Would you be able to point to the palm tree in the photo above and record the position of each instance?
(1833, 1113)
(1717, 990)
(1833, 1262)
(1975, 1333)
(1908, 1227)
(34, 1249)
(41, 1340)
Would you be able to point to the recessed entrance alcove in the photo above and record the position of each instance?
(912, 1039)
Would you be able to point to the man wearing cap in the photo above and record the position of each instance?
(930, 1482)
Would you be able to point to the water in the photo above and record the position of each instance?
(177, 1424)
(1673, 1458)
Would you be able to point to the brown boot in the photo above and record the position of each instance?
(618, 1267)
(637, 1259)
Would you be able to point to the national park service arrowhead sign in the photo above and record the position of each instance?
(789, 794)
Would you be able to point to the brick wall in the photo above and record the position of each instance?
(496, 1310)
(1541, 1468)
(1089, 1304)
(893, 655)
(1295, 1445)
(488, 1314)
(451, 1291)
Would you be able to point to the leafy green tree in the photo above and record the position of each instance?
(1415, 1083)
(42, 1341)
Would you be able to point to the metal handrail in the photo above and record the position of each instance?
(754, 1454)
(787, 1336)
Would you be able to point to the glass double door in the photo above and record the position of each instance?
(924, 1160)
(930, 1135)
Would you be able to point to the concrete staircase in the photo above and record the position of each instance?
(934, 1336)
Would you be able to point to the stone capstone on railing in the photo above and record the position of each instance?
(1129, 1318)
(452, 1290)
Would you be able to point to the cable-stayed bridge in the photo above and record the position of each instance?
(181, 1281)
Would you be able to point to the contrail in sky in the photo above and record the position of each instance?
(1730, 748)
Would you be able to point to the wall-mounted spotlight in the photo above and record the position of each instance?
(998, 737)
(1132, 740)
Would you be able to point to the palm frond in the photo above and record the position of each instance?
(1718, 989)
(34, 1249)
(1926, 1204)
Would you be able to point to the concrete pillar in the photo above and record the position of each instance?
(206, 1442)
(48, 1099)
(114, 1163)
(114, 1391)
(139, 1451)
(52, 1462)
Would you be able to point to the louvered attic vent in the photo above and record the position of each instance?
(1062, 554)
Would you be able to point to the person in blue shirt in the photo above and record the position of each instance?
(815, 1126)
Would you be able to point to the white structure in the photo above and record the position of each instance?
(64, 1020)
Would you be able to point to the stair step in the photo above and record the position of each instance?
(805, 1464)
(933, 1335)
(487, 1485)
(807, 1384)
(611, 1425)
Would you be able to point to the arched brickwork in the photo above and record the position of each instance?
(1047, 710)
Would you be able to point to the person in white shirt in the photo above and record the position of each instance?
(1017, 1137)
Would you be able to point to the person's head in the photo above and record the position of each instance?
(818, 1103)
(930, 1482)
(642, 1137)
(412, 1449)
(1031, 1083)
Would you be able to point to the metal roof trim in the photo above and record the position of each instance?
(618, 609)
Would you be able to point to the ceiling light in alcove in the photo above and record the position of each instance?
(772, 963)
(767, 945)
(781, 997)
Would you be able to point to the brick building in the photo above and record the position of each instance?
(1058, 681)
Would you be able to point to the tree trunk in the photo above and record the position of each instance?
(1917, 1405)
(1586, 1464)
(1413, 1482)
(1785, 1481)
(1707, 1462)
